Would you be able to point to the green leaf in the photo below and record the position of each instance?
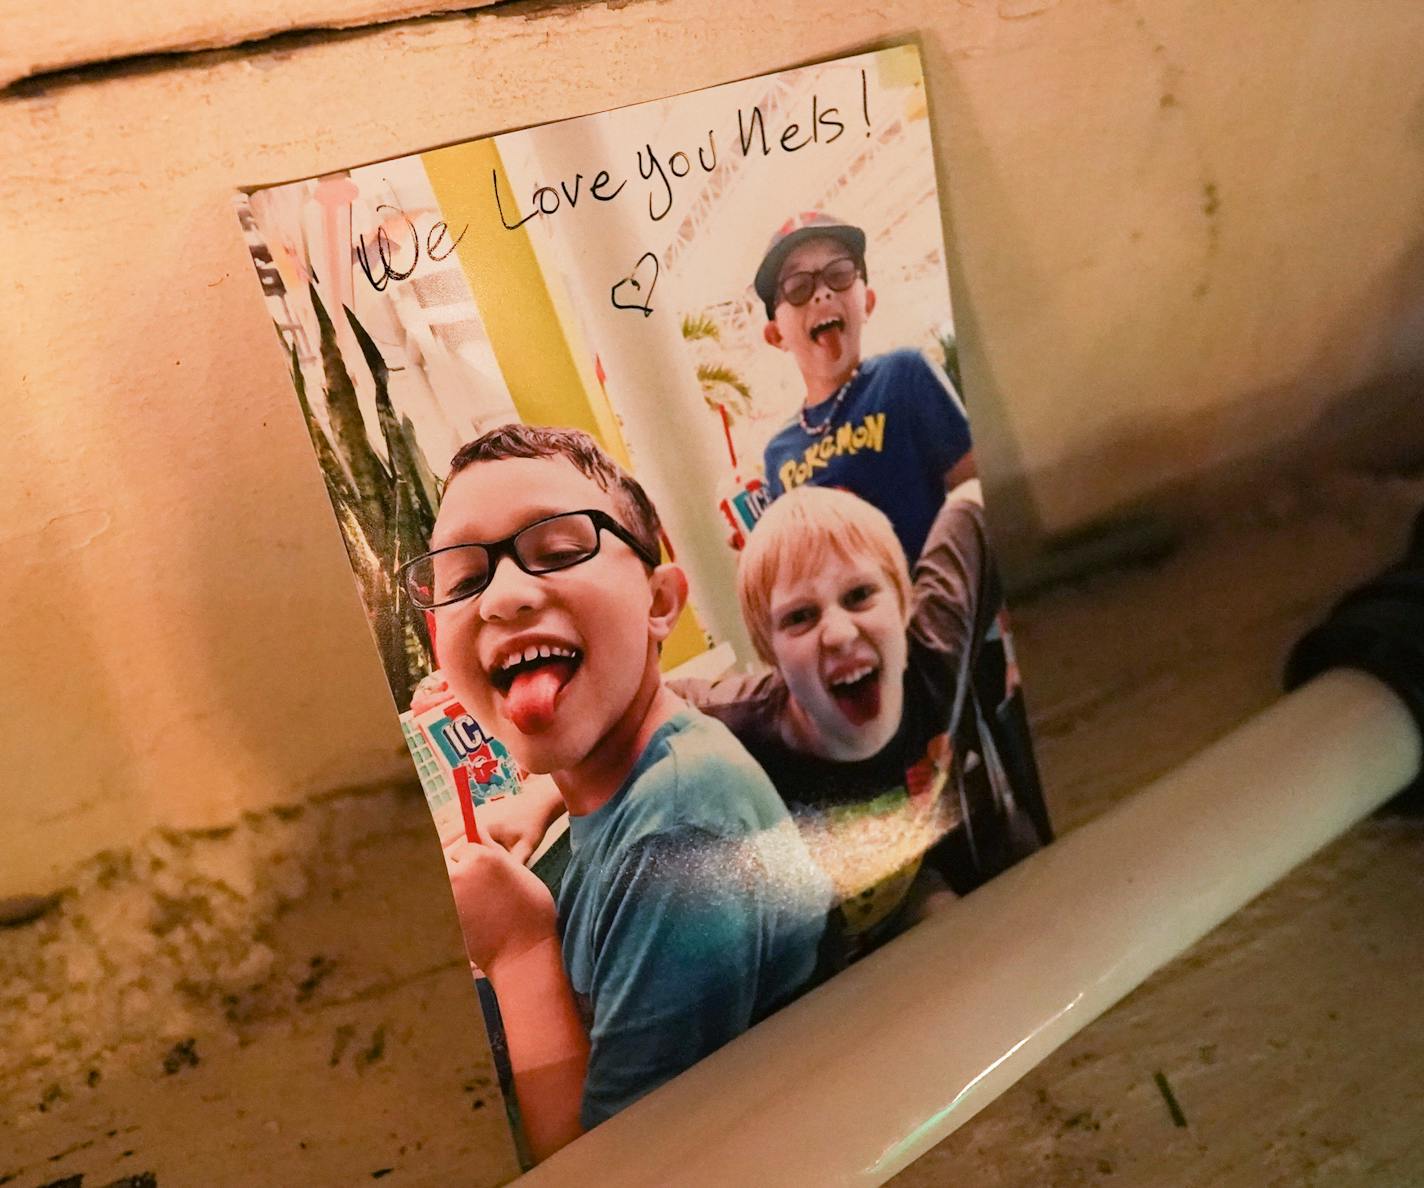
(716, 379)
(700, 326)
(374, 498)
(950, 349)
(413, 517)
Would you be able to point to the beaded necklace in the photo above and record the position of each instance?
(836, 401)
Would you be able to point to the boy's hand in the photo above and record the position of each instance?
(504, 908)
(432, 691)
(925, 780)
(518, 823)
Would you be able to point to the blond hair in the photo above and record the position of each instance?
(791, 539)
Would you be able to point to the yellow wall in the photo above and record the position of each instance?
(529, 338)
(1183, 233)
(518, 313)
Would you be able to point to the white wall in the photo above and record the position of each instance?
(1182, 231)
(39, 38)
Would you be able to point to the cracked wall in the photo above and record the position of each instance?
(262, 973)
(1182, 237)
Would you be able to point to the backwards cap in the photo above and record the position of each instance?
(809, 224)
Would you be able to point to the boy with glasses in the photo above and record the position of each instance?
(690, 908)
(889, 428)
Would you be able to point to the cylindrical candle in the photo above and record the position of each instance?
(851, 1083)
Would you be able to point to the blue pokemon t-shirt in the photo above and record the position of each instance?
(896, 433)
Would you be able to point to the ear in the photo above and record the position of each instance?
(869, 302)
(772, 333)
(669, 586)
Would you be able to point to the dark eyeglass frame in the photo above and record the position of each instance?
(816, 277)
(495, 550)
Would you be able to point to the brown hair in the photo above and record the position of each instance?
(517, 440)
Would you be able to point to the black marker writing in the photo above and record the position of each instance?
(827, 119)
(824, 128)
(499, 206)
(756, 123)
(546, 200)
(679, 165)
(647, 175)
(642, 282)
(436, 235)
(600, 182)
(662, 168)
(386, 252)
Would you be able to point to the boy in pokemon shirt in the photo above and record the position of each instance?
(890, 428)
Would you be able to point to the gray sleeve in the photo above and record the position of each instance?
(731, 696)
(956, 591)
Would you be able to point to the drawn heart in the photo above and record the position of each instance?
(642, 284)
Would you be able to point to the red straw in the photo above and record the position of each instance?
(727, 432)
(467, 804)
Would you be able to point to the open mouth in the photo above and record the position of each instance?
(827, 326)
(531, 682)
(856, 693)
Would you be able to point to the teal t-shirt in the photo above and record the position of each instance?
(689, 911)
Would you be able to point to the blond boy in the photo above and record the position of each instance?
(868, 711)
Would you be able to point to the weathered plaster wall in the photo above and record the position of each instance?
(1184, 233)
(42, 38)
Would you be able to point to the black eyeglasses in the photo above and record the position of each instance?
(461, 571)
(799, 287)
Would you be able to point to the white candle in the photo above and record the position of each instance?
(857, 1079)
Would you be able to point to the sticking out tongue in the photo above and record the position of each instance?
(859, 702)
(829, 340)
(532, 694)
